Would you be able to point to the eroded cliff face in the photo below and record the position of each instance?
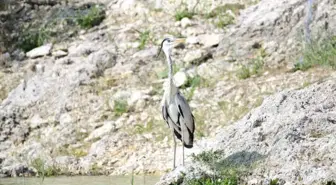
(90, 102)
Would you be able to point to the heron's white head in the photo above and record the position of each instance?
(168, 43)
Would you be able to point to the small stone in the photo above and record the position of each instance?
(36, 121)
(185, 22)
(18, 55)
(271, 47)
(59, 53)
(40, 51)
(101, 131)
(193, 55)
(192, 40)
(210, 40)
(180, 78)
(146, 53)
(65, 119)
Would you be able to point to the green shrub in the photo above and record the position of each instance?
(44, 171)
(93, 17)
(224, 20)
(319, 52)
(244, 72)
(255, 68)
(208, 157)
(229, 180)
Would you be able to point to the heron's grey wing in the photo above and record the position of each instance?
(175, 126)
(186, 120)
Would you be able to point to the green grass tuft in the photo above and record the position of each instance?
(229, 180)
(93, 17)
(44, 171)
(180, 14)
(274, 181)
(255, 68)
(208, 156)
(193, 83)
(120, 107)
(244, 72)
(220, 10)
(144, 37)
(319, 52)
(224, 18)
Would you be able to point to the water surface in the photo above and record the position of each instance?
(82, 180)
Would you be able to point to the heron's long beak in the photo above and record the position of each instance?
(179, 40)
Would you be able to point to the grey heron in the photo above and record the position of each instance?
(175, 108)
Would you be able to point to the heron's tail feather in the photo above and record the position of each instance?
(188, 145)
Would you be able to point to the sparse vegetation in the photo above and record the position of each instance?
(235, 8)
(274, 181)
(232, 110)
(95, 169)
(223, 16)
(43, 170)
(144, 128)
(193, 83)
(244, 72)
(164, 73)
(143, 39)
(31, 40)
(208, 156)
(59, 26)
(79, 152)
(202, 129)
(319, 52)
(180, 14)
(120, 107)
(90, 18)
(224, 20)
(255, 68)
(228, 180)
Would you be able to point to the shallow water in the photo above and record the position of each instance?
(82, 180)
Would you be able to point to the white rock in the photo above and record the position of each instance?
(210, 40)
(185, 22)
(40, 51)
(101, 131)
(192, 31)
(59, 53)
(65, 119)
(193, 55)
(102, 59)
(180, 78)
(36, 121)
(192, 40)
(271, 47)
(136, 96)
(145, 53)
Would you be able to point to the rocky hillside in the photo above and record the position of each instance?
(289, 139)
(80, 91)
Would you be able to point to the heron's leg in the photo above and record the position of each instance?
(174, 150)
(183, 153)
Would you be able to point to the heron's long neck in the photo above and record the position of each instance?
(170, 72)
(171, 86)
